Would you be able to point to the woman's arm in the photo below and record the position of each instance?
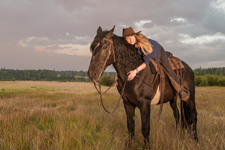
(141, 67)
(134, 72)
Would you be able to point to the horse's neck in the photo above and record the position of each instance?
(127, 59)
(120, 70)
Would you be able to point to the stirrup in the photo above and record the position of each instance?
(187, 97)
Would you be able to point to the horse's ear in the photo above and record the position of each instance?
(112, 30)
(99, 30)
(110, 33)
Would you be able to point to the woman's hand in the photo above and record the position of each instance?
(132, 74)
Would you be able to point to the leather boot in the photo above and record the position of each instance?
(185, 95)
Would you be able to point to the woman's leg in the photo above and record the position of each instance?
(172, 76)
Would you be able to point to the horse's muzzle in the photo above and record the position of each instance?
(93, 76)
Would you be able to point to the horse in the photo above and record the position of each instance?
(108, 48)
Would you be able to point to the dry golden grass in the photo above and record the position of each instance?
(68, 115)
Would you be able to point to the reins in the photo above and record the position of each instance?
(122, 92)
(100, 93)
(111, 51)
(150, 84)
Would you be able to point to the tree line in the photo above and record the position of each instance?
(210, 71)
(43, 75)
(210, 76)
(203, 77)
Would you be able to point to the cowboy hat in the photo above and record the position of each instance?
(129, 31)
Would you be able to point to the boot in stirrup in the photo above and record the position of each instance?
(185, 95)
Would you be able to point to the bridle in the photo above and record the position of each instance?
(111, 51)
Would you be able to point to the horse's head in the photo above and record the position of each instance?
(103, 54)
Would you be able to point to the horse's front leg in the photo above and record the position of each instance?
(145, 120)
(130, 111)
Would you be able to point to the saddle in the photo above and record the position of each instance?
(175, 63)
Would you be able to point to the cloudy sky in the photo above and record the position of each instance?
(56, 34)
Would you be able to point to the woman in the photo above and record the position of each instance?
(149, 48)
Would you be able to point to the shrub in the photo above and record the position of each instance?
(107, 80)
(204, 82)
(221, 81)
(198, 80)
(212, 80)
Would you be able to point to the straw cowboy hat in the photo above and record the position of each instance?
(129, 31)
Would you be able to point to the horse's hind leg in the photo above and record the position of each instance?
(173, 104)
(130, 111)
(189, 115)
(193, 112)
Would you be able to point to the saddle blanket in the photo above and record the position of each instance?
(156, 98)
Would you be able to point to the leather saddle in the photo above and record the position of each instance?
(175, 63)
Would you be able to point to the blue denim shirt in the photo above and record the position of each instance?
(155, 54)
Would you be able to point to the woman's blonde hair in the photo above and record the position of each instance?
(143, 43)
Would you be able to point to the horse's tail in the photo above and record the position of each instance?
(188, 109)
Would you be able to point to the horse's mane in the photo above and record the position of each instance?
(127, 54)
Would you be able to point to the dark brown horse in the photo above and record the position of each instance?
(108, 48)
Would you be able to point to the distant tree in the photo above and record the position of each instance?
(210, 71)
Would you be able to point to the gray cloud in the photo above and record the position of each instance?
(25, 58)
(63, 30)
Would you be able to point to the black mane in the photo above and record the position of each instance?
(127, 55)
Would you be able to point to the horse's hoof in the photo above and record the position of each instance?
(147, 145)
(196, 138)
(130, 144)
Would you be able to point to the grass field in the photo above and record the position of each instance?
(69, 115)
